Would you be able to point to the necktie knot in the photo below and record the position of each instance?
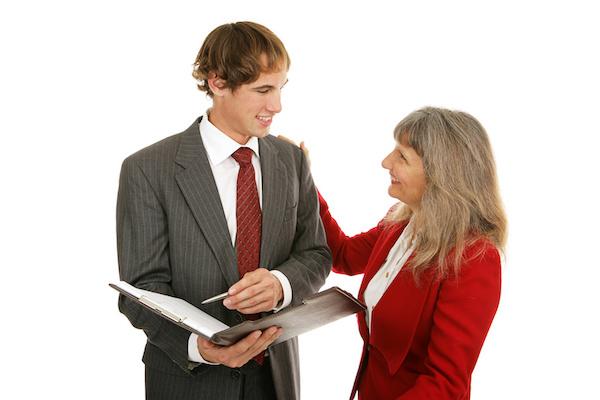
(243, 155)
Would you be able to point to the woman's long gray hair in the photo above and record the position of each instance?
(461, 203)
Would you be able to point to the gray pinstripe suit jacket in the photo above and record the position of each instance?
(172, 238)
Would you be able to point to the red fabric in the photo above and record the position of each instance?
(425, 338)
(248, 219)
(248, 214)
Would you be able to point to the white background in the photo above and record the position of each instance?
(83, 84)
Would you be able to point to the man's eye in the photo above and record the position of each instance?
(263, 91)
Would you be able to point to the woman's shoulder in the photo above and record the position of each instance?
(480, 269)
(481, 247)
(481, 256)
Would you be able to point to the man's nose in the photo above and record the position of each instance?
(274, 104)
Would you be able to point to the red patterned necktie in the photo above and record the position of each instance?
(248, 219)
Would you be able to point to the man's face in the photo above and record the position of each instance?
(249, 110)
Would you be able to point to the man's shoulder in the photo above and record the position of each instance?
(165, 149)
(284, 149)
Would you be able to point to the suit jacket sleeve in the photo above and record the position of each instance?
(142, 247)
(309, 263)
(464, 312)
(350, 254)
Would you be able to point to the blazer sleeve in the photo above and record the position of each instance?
(464, 312)
(350, 254)
(142, 248)
(309, 262)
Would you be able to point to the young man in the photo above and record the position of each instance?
(220, 207)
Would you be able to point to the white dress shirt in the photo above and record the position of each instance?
(219, 148)
(394, 262)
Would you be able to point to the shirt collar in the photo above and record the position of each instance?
(218, 145)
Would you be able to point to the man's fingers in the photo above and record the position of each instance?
(269, 336)
(248, 280)
(265, 305)
(250, 346)
(248, 297)
(265, 340)
(247, 293)
(245, 344)
(261, 288)
(263, 301)
(241, 352)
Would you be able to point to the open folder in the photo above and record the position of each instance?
(315, 311)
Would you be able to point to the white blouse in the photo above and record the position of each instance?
(394, 262)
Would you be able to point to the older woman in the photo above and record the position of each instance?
(431, 267)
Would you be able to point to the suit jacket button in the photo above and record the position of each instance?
(235, 375)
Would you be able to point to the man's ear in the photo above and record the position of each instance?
(216, 84)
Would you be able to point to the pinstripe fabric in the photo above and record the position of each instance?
(172, 238)
(254, 383)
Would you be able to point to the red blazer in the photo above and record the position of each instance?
(425, 339)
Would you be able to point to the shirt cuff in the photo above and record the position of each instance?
(194, 353)
(287, 290)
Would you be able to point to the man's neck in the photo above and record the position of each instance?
(218, 121)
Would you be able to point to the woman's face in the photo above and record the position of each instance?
(407, 175)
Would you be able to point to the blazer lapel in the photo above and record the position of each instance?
(198, 186)
(400, 306)
(274, 196)
(377, 259)
(380, 256)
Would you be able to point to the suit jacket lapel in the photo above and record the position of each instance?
(394, 343)
(378, 257)
(274, 191)
(389, 239)
(198, 186)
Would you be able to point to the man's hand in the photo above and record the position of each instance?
(256, 292)
(240, 353)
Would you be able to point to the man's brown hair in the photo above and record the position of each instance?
(238, 53)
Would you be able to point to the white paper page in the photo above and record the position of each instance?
(187, 313)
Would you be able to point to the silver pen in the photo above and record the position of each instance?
(215, 298)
